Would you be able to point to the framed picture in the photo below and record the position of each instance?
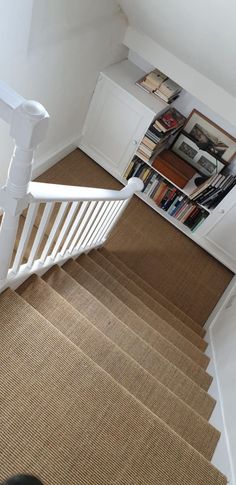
(210, 137)
(204, 163)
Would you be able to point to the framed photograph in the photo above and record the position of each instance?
(210, 137)
(204, 162)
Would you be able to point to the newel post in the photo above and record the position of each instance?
(28, 128)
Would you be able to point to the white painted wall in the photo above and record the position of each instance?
(197, 84)
(202, 34)
(52, 51)
(186, 102)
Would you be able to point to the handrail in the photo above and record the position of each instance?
(9, 101)
(43, 192)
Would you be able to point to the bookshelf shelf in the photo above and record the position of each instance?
(187, 190)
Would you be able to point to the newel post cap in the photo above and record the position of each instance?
(29, 124)
(136, 183)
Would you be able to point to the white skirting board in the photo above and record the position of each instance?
(220, 339)
(54, 156)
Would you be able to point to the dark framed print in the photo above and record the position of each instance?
(203, 161)
(210, 137)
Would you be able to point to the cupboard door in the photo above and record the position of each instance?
(115, 125)
(220, 231)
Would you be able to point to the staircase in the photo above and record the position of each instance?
(103, 381)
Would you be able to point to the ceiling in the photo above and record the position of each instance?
(202, 34)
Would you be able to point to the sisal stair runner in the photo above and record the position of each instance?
(158, 309)
(191, 368)
(66, 420)
(102, 383)
(126, 371)
(152, 292)
(142, 311)
(152, 361)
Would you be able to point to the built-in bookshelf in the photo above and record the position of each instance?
(166, 195)
(170, 184)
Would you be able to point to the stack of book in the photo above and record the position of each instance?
(213, 190)
(166, 196)
(170, 121)
(159, 84)
(159, 133)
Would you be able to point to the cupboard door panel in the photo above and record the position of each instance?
(115, 125)
(223, 234)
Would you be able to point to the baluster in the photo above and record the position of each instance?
(112, 220)
(106, 217)
(40, 232)
(92, 205)
(53, 231)
(27, 229)
(90, 223)
(100, 223)
(94, 226)
(65, 227)
(74, 227)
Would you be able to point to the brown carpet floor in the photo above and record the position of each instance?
(169, 261)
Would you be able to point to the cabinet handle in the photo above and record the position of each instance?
(135, 142)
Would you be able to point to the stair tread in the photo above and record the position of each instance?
(153, 292)
(142, 311)
(152, 304)
(54, 392)
(126, 371)
(139, 326)
(151, 360)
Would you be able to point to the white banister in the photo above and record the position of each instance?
(60, 193)
(74, 219)
(28, 126)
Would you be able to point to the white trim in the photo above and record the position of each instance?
(222, 457)
(223, 451)
(220, 304)
(54, 156)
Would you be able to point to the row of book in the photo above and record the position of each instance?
(213, 190)
(159, 133)
(166, 196)
(160, 85)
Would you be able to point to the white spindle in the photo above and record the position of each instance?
(94, 226)
(65, 228)
(106, 217)
(89, 224)
(111, 219)
(74, 227)
(92, 205)
(54, 230)
(117, 216)
(40, 232)
(99, 223)
(27, 229)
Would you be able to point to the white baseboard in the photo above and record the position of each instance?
(225, 297)
(222, 456)
(54, 156)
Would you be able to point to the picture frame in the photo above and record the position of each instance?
(209, 137)
(203, 161)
